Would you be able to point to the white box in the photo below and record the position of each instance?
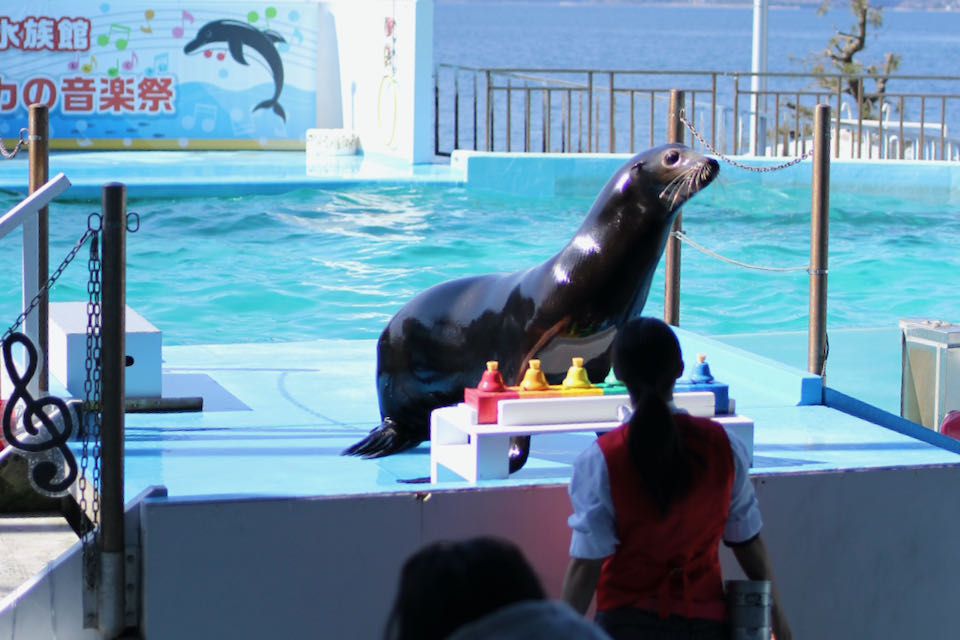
(68, 351)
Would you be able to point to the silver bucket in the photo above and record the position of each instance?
(748, 609)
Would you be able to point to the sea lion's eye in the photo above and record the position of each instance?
(672, 157)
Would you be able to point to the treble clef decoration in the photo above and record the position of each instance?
(45, 471)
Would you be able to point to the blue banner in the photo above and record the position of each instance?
(161, 75)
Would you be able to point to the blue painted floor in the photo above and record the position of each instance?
(277, 416)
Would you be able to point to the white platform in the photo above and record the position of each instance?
(481, 451)
(68, 350)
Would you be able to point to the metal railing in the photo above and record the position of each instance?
(622, 111)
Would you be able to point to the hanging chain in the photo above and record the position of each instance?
(683, 237)
(92, 409)
(737, 163)
(21, 143)
(44, 290)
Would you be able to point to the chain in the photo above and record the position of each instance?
(683, 237)
(44, 290)
(736, 163)
(91, 413)
(21, 143)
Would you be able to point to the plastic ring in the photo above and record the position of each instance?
(388, 81)
(134, 217)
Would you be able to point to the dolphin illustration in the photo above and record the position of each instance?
(237, 34)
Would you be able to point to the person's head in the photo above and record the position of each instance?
(447, 584)
(647, 356)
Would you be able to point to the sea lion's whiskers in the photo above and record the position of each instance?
(679, 187)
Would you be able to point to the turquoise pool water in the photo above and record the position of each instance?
(338, 263)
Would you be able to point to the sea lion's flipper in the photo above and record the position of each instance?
(519, 452)
(384, 440)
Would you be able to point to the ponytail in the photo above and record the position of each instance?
(657, 451)
(646, 354)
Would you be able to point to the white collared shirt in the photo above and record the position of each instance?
(593, 522)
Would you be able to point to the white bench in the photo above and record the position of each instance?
(68, 350)
(481, 451)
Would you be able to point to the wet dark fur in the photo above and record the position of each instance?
(438, 343)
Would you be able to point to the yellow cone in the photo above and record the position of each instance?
(577, 376)
(533, 379)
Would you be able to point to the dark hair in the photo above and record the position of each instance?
(448, 584)
(647, 358)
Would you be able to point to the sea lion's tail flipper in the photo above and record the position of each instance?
(519, 452)
(382, 441)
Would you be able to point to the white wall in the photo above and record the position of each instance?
(866, 554)
(389, 106)
(858, 555)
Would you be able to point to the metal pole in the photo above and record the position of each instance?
(758, 66)
(671, 295)
(489, 118)
(613, 107)
(112, 359)
(436, 112)
(36, 239)
(819, 236)
(589, 111)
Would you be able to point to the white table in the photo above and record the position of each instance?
(481, 451)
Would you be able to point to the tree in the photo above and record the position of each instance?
(840, 52)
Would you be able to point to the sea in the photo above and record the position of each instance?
(644, 36)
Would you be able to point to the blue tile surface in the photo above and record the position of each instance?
(279, 414)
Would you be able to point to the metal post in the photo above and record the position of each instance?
(36, 246)
(671, 295)
(758, 68)
(113, 361)
(819, 235)
(589, 111)
(436, 112)
(489, 118)
(613, 108)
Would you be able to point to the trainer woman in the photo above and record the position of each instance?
(652, 499)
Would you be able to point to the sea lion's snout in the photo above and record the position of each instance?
(684, 172)
(709, 171)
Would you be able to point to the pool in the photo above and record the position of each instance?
(338, 261)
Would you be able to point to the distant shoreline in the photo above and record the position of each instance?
(905, 5)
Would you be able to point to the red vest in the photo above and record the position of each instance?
(669, 564)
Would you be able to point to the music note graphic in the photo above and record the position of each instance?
(114, 71)
(129, 64)
(73, 65)
(47, 474)
(87, 67)
(269, 14)
(185, 16)
(241, 123)
(104, 38)
(148, 14)
(161, 62)
(283, 47)
(206, 113)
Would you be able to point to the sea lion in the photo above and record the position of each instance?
(438, 343)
